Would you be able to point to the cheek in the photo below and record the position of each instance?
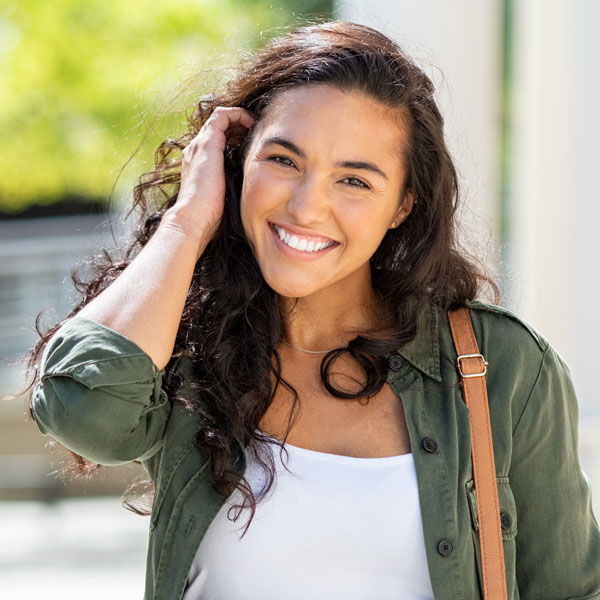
(261, 194)
(363, 225)
(249, 201)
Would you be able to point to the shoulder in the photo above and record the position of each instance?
(515, 350)
(491, 318)
(523, 364)
(527, 381)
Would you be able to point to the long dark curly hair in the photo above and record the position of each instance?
(232, 320)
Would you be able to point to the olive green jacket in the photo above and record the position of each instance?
(100, 395)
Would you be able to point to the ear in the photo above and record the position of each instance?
(404, 209)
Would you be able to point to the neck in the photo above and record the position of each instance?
(330, 318)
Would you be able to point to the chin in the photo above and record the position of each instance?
(290, 289)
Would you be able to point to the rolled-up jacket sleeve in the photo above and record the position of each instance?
(558, 540)
(100, 394)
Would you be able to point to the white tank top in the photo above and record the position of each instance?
(338, 527)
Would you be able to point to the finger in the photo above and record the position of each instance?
(224, 120)
(227, 116)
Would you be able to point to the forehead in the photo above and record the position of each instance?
(344, 122)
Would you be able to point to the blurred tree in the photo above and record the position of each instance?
(84, 81)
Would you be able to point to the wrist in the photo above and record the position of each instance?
(180, 221)
(196, 234)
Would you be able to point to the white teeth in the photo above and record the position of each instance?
(293, 241)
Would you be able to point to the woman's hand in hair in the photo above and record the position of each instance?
(201, 199)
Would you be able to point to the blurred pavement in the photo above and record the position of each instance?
(71, 549)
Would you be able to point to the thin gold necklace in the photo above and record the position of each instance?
(307, 351)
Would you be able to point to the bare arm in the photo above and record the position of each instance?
(146, 301)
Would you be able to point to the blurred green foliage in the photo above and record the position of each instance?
(85, 81)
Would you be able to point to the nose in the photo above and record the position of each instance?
(309, 202)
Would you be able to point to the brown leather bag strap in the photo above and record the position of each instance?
(472, 368)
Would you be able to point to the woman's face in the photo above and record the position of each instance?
(323, 178)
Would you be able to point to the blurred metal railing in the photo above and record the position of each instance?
(36, 258)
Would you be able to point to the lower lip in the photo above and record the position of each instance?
(299, 254)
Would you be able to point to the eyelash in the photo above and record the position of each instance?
(275, 159)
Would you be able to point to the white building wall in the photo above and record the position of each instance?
(555, 212)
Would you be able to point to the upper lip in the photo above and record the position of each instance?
(307, 233)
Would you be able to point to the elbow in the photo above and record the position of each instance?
(94, 425)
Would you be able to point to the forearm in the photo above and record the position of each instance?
(146, 301)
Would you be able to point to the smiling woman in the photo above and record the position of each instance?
(292, 291)
(324, 190)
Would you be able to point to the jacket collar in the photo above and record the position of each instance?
(423, 351)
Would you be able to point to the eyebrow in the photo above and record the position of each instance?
(347, 164)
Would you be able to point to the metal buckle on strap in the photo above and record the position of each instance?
(466, 375)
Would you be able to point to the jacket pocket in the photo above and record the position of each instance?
(508, 520)
(508, 507)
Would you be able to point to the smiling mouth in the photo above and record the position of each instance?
(301, 243)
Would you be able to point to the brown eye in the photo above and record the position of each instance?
(358, 184)
(280, 159)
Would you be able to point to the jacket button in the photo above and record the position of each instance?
(505, 520)
(445, 548)
(429, 444)
(396, 362)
